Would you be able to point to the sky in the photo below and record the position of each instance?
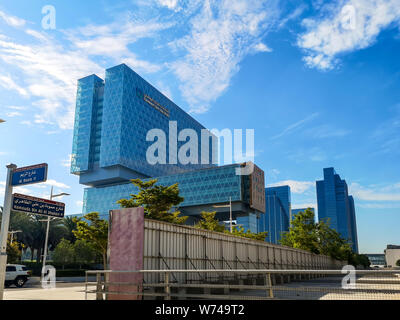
(318, 81)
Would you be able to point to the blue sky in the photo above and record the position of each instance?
(318, 92)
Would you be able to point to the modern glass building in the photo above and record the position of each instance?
(112, 123)
(336, 205)
(277, 213)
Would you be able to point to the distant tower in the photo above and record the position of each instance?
(335, 204)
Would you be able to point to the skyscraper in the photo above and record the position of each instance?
(277, 213)
(111, 141)
(336, 205)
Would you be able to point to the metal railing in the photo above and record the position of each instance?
(246, 285)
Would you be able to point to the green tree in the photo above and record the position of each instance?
(157, 200)
(208, 222)
(303, 233)
(94, 231)
(398, 263)
(330, 242)
(33, 233)
(239, 232)
(70, 224)
(14, 251)
(84, 252)
(63, 253)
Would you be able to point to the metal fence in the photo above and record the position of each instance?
(169, 246)
(246, 285)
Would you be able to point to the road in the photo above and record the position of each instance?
(33, 291)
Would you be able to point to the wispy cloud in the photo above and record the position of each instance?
(8, 83)
(49, 68)
(221, 34)
(295, 186)
(327, 131)
(12, 20)
(344, 27)
(375, 193)
(386, 136)
(66, 162)
(295, 126)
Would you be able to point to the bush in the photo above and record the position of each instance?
(64, 253)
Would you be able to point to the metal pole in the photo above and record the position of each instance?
(230, 213)
(5, 223)
(47, 235)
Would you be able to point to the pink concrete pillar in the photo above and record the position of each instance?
(126, 240)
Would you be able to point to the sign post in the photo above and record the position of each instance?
(33, 205)
(17, 177)
(5, 222)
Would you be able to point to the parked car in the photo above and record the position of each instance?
(16, 274)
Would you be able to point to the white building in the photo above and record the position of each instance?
(392, 255)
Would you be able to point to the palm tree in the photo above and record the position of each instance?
(70, 224)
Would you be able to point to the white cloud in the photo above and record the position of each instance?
(221, 34)
(388, 193)
(295, 186)
(261, 47)
(8, 83)
(56, 184)
(348, 26)
(50, 68)
(13, 114)
(170, 4)
(11, 20)
(17, 108)
(66, 162)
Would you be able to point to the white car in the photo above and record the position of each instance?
(16, 274)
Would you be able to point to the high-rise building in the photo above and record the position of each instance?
(277, 213)
(112, 122)
(111, 139)
(337, 206)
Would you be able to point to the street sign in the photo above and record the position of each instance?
(29, 175)
(27, 204)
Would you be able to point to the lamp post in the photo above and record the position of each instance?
(230, 212)
(52, 196)
(12, 234)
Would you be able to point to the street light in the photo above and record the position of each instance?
(230, 212)
(12, 234)
(52, 196)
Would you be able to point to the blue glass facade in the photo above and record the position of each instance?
(200, 187)
(112, 120)
(111, 141)
(87, 126)
(335, 205)
(277, 213)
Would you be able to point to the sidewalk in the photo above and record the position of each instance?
(58, 293)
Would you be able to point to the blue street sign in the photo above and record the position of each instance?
(29, 175)
(27, 204)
